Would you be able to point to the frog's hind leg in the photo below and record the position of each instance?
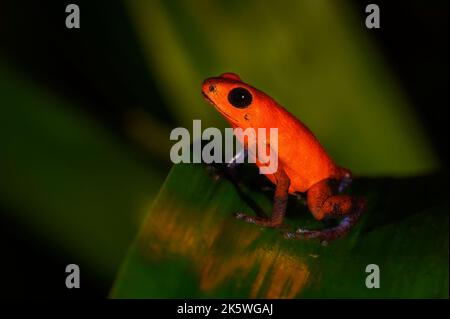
(324, 201)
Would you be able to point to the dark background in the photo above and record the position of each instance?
(413, 39)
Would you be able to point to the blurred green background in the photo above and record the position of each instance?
(85, 115)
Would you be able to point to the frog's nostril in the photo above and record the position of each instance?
(212, 88)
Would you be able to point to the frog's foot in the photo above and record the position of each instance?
(324, 236)
(262, 221)
(328, 234)
(302, 233)
(325, 202)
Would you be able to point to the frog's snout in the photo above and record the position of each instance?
(208, 86)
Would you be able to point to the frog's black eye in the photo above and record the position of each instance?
(240, 97)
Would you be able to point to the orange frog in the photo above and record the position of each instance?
(303, 164)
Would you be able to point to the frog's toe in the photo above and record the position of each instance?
(245, 217)
(240, 215)
(302, 233)
(324, 236)
(290, 235)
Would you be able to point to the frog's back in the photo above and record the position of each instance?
(300, 153)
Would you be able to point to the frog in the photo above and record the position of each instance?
(304, 166)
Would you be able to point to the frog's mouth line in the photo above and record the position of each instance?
(207, 98)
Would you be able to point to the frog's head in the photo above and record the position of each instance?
(240, 103)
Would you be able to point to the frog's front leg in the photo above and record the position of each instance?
(239, 158)
(280, 201)
(324, 201)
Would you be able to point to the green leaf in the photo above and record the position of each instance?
(191, 246)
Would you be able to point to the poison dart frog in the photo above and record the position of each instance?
(303, 164)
